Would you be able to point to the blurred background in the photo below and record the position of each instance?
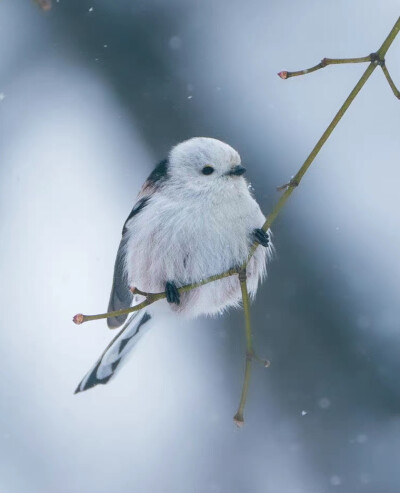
(92, 94)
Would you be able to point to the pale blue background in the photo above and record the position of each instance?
(91, 100)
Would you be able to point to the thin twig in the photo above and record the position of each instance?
(307, 163)
(238, 418)
(150, 298)
(79, 318)
(392, 85)
(377, 58)
(284, 74)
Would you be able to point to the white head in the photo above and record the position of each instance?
(205, 163)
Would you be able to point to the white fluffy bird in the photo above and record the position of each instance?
(194, 218)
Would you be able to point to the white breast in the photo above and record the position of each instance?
(192, 238)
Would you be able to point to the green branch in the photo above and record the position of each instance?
(392, 85)
(375, 59)
(238, 418)
(284, 74)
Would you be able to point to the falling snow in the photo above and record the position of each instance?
(324, 403)
(175, 43)
(335, 480)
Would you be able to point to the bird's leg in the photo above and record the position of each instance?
(261, 237)
(172, 293)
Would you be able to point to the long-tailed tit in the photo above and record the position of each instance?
(194, 218)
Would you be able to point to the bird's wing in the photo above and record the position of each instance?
(121, 296)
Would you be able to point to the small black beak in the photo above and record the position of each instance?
(237, 171)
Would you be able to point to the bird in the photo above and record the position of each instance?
(194, 217)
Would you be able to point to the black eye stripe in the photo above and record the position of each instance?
(207, 170)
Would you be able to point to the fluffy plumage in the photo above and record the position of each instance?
(189, 223)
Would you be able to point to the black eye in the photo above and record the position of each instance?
(207, 170)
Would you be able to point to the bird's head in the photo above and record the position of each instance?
(204, 164)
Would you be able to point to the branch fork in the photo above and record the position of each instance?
(376, 58)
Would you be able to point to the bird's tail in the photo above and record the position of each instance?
(110, 361)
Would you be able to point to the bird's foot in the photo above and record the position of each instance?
(172, 293)
(261, 237)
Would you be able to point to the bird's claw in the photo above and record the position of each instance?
(261, 237)
(172, 293)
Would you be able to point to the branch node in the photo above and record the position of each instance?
(242, 275)
(250, 355)
(291, 184)
(376, 59)
(138, 291)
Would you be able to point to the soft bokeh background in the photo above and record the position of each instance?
(92, 95)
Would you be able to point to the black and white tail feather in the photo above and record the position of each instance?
(116, 352)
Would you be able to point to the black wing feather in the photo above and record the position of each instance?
(121, 296)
